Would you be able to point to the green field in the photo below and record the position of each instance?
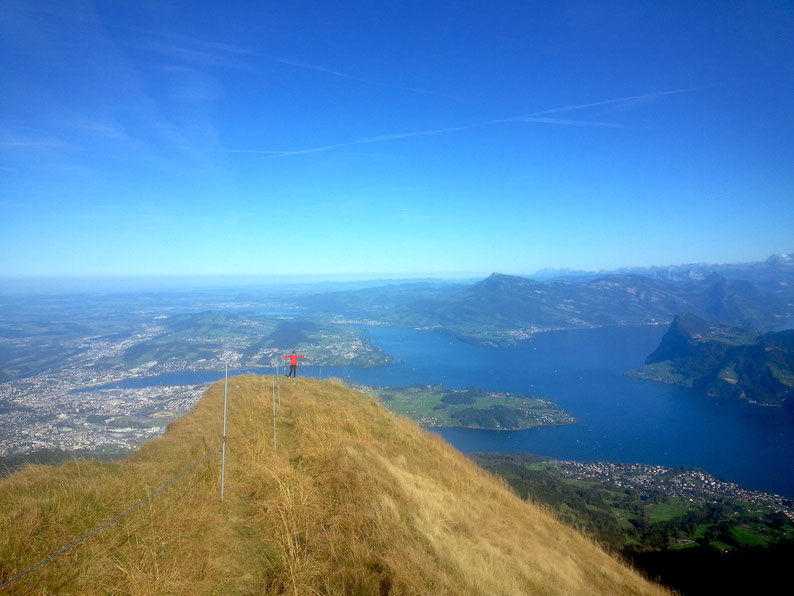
(137, 422)
(661, 512)
(746, 536)
(661, 372)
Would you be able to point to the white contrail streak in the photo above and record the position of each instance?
(607, 102)
(535, 117)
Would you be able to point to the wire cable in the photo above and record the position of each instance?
(130, 509)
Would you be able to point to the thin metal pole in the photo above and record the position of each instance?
(223, 452)
(274, 411)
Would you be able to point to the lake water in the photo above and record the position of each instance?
(619, 419)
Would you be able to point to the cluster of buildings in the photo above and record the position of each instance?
(67, 410)
(672, 482)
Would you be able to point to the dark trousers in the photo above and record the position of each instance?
(293, 370)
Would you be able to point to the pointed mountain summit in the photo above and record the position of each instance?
(497, 285)
(781, 259)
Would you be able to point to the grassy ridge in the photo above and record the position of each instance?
(353, 500)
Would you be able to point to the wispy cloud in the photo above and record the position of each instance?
(534, 117)
(25, 142)
(102, 129)
(113, 98)
(189, 50)
(349, 77)
(316, 68)
(139, 214)
(184, 40)
(191, 84)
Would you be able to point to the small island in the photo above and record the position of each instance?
(437, 405)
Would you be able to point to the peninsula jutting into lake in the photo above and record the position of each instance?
(725, 362)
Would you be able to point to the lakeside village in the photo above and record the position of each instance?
(691, 484)
(60, 410)
(53, 412)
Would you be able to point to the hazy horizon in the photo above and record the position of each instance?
(21, 284)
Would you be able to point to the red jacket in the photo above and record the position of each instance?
(293, 359)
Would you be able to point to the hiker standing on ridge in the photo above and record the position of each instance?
(293, 364)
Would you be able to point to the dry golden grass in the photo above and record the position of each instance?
(352, 501)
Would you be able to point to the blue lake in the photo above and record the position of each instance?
(619, 419)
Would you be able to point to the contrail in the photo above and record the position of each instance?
(567, 122)
(377, 139)
(532, 117)
(260, 151)
(607, 102)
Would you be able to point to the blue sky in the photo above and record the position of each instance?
(392, 138)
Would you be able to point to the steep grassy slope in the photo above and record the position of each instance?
(352, 501)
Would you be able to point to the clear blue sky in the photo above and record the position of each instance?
(392, 137)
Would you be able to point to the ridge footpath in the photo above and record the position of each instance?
(352, 500)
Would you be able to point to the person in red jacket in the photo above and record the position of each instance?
(293, 364)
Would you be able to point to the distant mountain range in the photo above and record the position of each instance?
(774, 273)
(503, 309)
(724, 361)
